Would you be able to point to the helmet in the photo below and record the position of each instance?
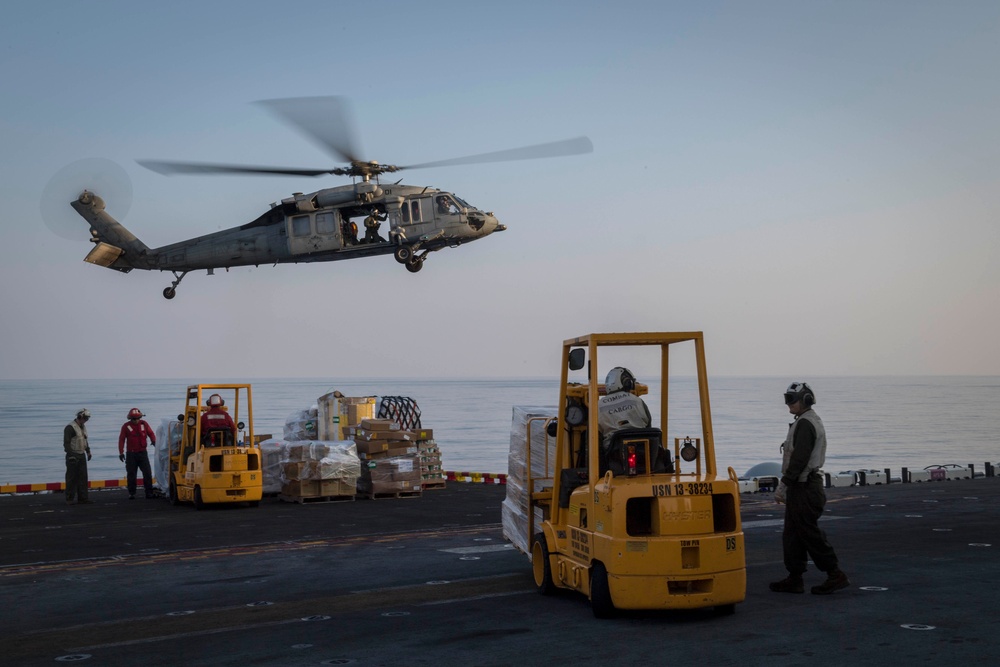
(83, 414)
(135, 413)
(619, 379)
(800, 391)
(215, 401)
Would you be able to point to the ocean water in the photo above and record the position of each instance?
(871, 422)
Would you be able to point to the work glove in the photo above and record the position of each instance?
(121, 457)
(89, 456)
(153, 444)
(780, 493)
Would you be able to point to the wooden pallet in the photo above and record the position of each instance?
(436, 484)
(397, 494)
(303, 500)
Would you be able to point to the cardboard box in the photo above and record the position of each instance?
(371, 446)
(395, 487)
(379, 425)
(392, 453)
(424, 434)
(338, 487)
(365, 434)
(295, 471)
(301, 489)
(336, 413)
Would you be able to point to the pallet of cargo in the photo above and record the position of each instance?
(304, 500)
(432, 484)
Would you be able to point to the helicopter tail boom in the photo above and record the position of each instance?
(115, 247)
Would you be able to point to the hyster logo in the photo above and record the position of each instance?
(700, 515)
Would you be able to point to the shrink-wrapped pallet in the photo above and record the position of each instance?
(527, 432)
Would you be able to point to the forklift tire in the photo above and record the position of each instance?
(725, 609)
(198, 503)
(600, 592)
(542, 566)
(174, 500)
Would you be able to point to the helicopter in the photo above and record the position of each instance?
(321, 226)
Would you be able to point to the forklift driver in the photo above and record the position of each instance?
(620, 408)
(214, 420)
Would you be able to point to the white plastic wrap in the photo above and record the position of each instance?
(312, 460)
(168, 441)
(301, 425)
(525, 422)
(396, 474)
(270, 451)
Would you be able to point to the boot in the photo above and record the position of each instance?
(835, 580)
(790, 584)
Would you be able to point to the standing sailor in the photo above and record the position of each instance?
(77, 450)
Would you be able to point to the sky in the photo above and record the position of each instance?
(815, 185)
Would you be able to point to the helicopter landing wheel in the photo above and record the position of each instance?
(171, 292)
(414, 265)
(403, 254)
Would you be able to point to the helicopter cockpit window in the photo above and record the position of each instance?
(326, 223)
(300, 225)
(445, 205)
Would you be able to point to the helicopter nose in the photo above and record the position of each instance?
(493, 225)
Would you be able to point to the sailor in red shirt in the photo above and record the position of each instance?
(216, 419)
(132, 450)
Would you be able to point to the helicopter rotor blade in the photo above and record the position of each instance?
(325, 120)
(171, 168)
(576, 146)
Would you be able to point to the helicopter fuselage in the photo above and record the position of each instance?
(359, 220)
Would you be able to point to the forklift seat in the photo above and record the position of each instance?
(617, 452)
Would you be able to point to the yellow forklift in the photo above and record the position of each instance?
(218, 460)
(622, 520)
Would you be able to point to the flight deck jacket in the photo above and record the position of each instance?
(132, 437)
(804, 451)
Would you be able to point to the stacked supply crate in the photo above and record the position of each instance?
(319, 471)
(338, 414)
(389, 461)
(532, 454)
(431, 471)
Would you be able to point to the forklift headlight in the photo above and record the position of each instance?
(688, 451)
(241, 426)
(191, 422)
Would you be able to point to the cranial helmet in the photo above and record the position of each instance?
(215, 401)
(800, 391)
(135, 413)
(83, 414)
(619, 379)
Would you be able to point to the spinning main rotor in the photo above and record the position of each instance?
(327, 122)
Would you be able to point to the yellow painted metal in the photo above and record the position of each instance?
(663, 540)
(203, 473)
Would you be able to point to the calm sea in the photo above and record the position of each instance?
(872, 422)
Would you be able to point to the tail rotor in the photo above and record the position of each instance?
(98, 175)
